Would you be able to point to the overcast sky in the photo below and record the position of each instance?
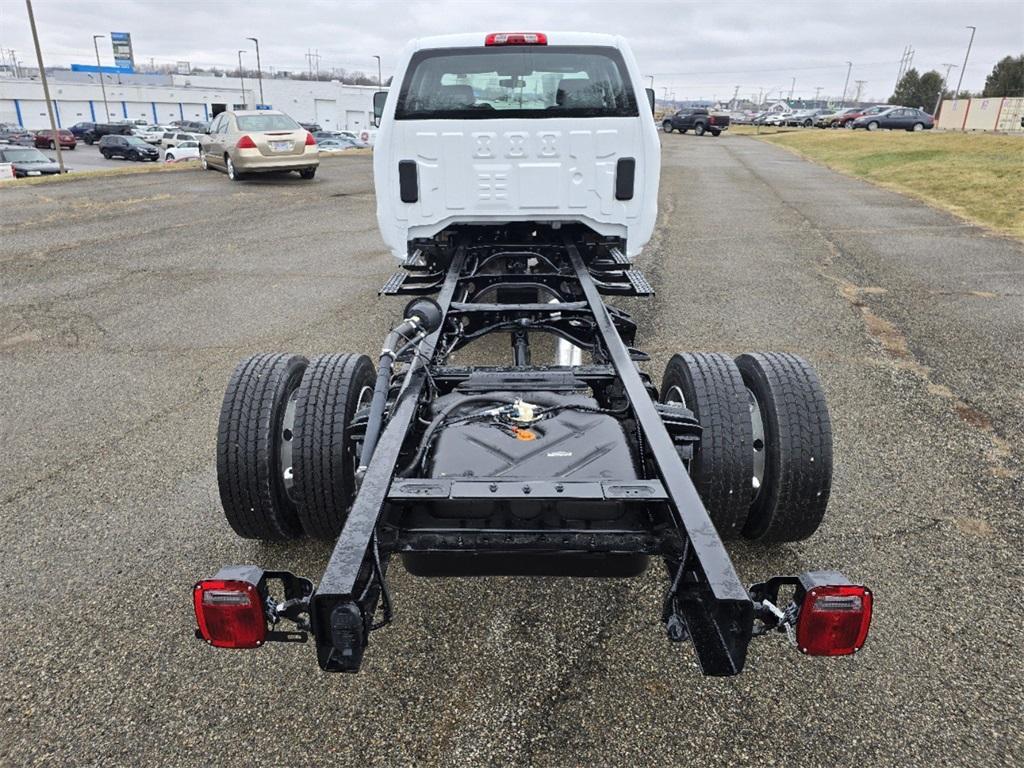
(695, 49)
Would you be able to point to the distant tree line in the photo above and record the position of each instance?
(917, 90)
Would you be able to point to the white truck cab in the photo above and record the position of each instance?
(488, 129)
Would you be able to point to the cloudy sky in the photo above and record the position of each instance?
(693, 49)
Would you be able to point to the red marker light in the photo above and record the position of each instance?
(834, 620)
(230, 613)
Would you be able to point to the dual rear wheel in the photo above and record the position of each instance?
(286, 451)
(764, 467)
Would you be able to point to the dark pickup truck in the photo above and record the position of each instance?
(699, 120)
(99, 130)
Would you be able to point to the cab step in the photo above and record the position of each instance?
(407, 284)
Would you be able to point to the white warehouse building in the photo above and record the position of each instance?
(158, 99)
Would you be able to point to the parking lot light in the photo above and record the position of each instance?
(241, 77)
(259, 67)
(966, 55)
(103, 87)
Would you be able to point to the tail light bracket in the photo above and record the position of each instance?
(294, 608)
(807, 586)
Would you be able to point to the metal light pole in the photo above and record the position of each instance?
(962, 71)
(849, 67)
(241, 77)
(46, 86)
(259, 67)
(103, 87)
(380, 80)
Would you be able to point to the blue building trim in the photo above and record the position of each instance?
(124, 110)
(181, 111)
(92, 111)
(17, 111)
(56, 111)
(206, 113)
(153, 105)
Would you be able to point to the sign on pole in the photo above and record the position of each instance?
(122, 44)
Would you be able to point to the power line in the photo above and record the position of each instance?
(760, 70)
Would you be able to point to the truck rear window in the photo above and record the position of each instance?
(521, 81)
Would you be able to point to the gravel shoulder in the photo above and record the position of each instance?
(126, 302)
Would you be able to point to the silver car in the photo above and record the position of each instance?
(258, 142)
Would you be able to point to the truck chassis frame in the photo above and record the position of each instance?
(705, 601)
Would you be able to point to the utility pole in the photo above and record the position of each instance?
(103, 87)
(964, 69)
(817, 93)
(792, 88)
(46, 86)
(849, 67)
(380, 81)
(903, 66)
(942, 89)
(860, 87)
(312, 56)
(241, 77)
(259, 66)
(735, 93)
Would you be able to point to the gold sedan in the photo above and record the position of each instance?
(265, 141)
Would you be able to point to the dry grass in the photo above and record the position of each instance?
(95, 173)
(977, 176)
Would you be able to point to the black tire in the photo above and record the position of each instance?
(683, 130)
(715, 132)
(307, 173)
(722, 470)
(699, 129)
(105, 154)
(794, 492)
(249, 476)
(667, 126)
(53, 145)
(332, 390)
(229, 169)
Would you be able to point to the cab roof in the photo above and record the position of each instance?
(476, 39)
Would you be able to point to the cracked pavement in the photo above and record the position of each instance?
(126, 302)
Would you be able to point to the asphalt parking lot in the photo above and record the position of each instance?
(126, 301)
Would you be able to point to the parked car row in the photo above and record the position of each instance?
(870, 118)
(238, 142)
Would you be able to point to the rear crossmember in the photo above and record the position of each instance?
(705, 600)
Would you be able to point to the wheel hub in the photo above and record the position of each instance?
(286, 442)
(757, 427)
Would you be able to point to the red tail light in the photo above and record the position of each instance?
(834, 620)
(711, 119)
(310, 140)
(230, 613)
(246, 142)
(516, 38)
